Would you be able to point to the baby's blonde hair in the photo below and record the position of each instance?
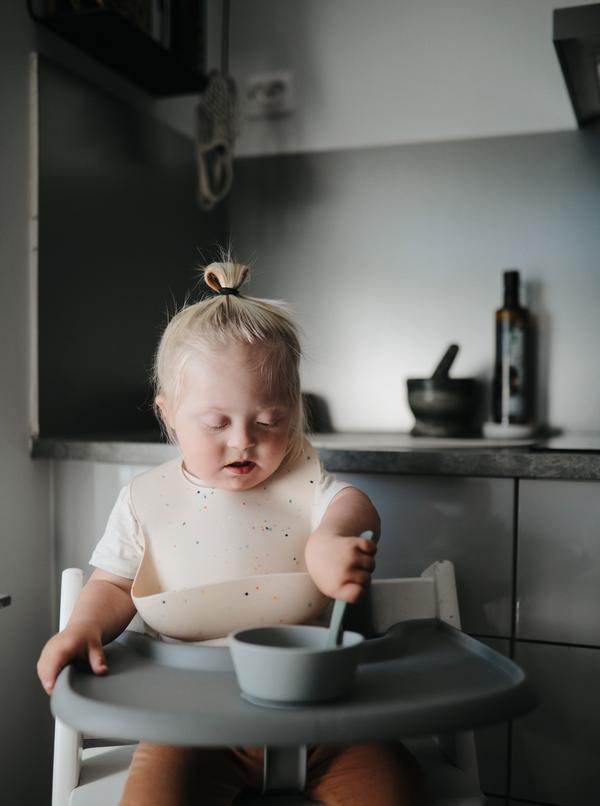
(230, 318)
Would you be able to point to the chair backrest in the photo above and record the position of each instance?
(388, 601)
(431, 595)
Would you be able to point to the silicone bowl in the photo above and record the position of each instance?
(289, 665)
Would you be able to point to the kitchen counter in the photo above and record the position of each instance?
(574, 456)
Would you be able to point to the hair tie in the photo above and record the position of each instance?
(226, 291)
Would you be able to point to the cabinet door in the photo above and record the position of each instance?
(558, 564)
(468, 521)
(556, 748)
(492, 746)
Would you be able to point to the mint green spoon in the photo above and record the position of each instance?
(334, 634)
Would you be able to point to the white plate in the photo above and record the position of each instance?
(500, 431)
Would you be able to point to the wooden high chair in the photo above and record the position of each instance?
(91, 773)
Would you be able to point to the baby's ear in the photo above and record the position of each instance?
(165, 410)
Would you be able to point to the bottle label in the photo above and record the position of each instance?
(512, 351)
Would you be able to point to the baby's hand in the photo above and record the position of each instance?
(81, 639)
(340, 566)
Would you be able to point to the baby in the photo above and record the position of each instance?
(247, 497)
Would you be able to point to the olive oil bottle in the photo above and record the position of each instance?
(511, 394)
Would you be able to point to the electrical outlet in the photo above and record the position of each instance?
(269, 95)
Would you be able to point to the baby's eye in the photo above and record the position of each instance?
(215, 426)
(268, 423)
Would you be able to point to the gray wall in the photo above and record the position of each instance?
(394, 71)
(425, 154)
(391, 253)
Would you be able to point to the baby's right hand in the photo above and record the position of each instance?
(80, 639)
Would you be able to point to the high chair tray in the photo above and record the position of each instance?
(423, 677)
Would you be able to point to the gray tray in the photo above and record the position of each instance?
(423, 677)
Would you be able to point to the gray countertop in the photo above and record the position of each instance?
(570, 456)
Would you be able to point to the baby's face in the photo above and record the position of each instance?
(230, 436)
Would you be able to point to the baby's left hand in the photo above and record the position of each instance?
(340, 566)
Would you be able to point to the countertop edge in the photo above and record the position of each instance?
(517, 462)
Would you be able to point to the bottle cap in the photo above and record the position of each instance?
(511, 286)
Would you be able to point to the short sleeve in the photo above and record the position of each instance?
(327, 488)
(120, 549)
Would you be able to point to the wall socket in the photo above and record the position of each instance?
(269, 95)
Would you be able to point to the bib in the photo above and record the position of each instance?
(216, 560)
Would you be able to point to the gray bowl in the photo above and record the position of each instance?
(290, 665)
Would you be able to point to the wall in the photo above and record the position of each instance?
(394, 71)
(389, 254)
(432, 146)
(387, 206)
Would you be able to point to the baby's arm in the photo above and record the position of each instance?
(103, 609)
(338, 560)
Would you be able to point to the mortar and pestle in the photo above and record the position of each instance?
(444, 406)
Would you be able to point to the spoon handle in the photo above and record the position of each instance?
(339, 608)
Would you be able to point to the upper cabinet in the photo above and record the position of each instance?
(577, 42)
(160, 47)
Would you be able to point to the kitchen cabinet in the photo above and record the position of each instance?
(466, 520)
(165, 56)
(492, 743)
(555, 749)
(558, 584)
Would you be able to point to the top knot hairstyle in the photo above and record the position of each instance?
(230, 317)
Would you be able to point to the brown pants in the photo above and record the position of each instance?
(358, 775)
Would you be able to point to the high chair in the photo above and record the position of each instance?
(92, 773)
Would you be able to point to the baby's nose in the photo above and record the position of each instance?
(241, 437)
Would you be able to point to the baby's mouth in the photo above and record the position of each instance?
(240, 468)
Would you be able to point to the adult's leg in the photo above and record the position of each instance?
(181, 776)
(364, 774)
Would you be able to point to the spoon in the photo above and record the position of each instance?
(334, 634)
